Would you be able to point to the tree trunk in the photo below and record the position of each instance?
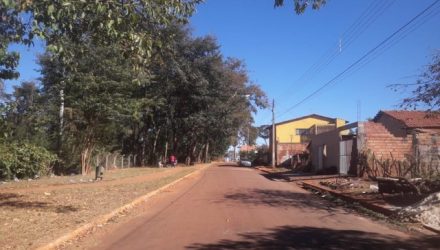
(193, 152)
(166, 150)
(61, 120)
(155, 141)
(85, 160)
(199, 154)
(86, 154)
(207, 152)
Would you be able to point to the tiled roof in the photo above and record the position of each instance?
(248, 147)
(413, 119)
(309, 116)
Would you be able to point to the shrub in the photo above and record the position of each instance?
(24, 160)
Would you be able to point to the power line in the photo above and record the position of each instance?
(352, 33)
(385, 41)
(428, 15)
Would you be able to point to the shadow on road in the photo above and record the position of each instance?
(227, 165)
(15, 201)
(280, 198)
(288, 237)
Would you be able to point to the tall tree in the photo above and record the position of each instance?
(426, 91)
(132, 25)
(97, 96)
(23, 116)
(11, 30)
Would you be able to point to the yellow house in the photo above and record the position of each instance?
(292, 136)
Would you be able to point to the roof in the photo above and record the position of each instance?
(248, 147)
(413, 119)
(309, 116)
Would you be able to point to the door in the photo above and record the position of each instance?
(320, 156)
(345, 148)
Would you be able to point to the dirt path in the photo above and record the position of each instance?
(237, 208)
(103, 183)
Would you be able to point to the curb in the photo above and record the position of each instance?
(373, 207)
(104, 218)
(431, 228)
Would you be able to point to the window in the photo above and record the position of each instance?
(302, 131)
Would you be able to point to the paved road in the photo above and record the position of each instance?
(229, 207)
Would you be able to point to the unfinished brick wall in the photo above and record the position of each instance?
(394, 126)
(383, 144)
(285, 149)
(427, 143)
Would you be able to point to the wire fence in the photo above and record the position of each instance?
(115, 160)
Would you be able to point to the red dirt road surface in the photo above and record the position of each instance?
(227, 207)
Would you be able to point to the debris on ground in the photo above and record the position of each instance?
(426, 211)
(347, 183)
(374, 187)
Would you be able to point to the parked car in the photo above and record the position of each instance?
(245, 163)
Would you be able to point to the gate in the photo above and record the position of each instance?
(345, 148)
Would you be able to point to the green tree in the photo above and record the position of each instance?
(132, 25)
(425, 92)
(23, 115)
(202, 99)
(264, 133)
(427, 88)
(11, 30)
(302, 5)
(97, 96)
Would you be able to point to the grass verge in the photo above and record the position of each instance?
(32, 219)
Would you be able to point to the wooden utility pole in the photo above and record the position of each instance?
(273, 133)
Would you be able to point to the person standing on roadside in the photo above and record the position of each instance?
(173, 160)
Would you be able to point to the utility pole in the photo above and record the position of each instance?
(248, 141)
(291, 154)
(273, 133)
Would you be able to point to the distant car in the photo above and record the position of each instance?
(245, 163)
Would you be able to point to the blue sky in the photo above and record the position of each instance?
(279, 46)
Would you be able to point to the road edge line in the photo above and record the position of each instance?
(106, 217)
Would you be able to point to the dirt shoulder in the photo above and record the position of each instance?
(47, 209)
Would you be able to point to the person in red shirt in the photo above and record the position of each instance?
(173, 160)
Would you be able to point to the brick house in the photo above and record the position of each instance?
(391, 135)
(400, 135)
(395, 134)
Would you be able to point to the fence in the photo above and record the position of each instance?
(114, 160)
(411, 167)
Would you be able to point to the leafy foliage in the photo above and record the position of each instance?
(132, 25)
(125, 76)
(24, 160)
(427, 91)
(301, 5)
(11, 30)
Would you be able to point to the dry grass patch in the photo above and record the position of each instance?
(109, 175)
(34, 218)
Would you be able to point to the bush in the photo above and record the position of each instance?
(24, 160)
